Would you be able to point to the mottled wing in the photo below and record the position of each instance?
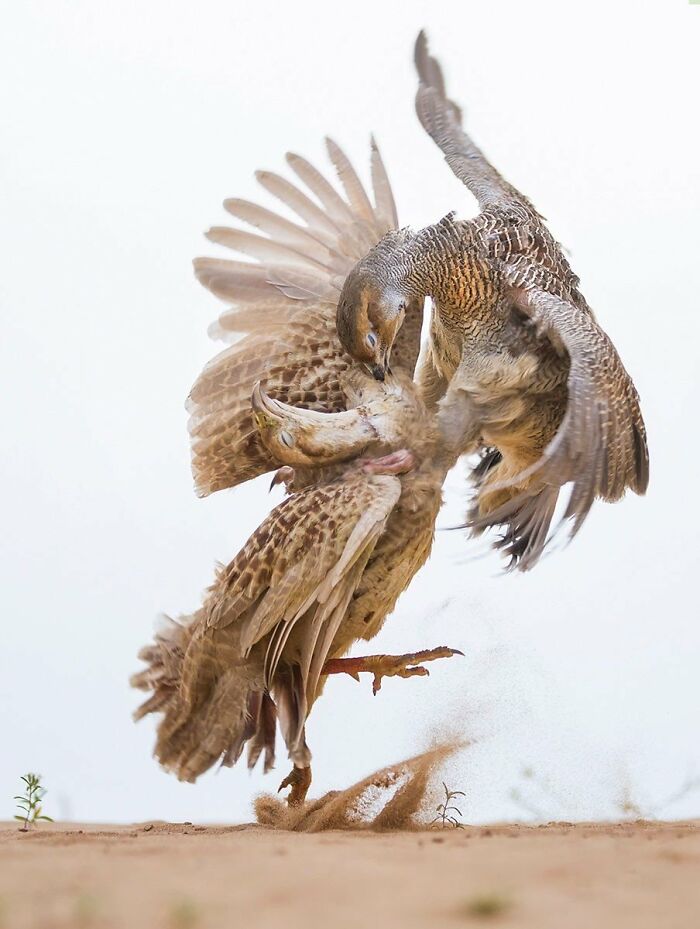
(282, 301)
(600, 446)
(296, 574)
(442, 120)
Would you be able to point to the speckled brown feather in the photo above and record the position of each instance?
(594, 437)
(285, 305)
(323, 570)
(295, 573)
(517, 360)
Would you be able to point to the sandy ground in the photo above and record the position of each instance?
(168, 876)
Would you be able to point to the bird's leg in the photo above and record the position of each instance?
(409, 665)
(399, 462)
(299, 779)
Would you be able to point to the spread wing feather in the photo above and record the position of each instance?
(442, 120)
(281, 313)
(383, 194)
(600, 446)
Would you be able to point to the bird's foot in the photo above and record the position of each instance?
(299, 779)
(380, 666)
(398, 462)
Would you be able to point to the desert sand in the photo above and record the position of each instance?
(184, 876)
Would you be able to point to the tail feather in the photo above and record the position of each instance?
(207, 693)
(526, 519)
(489, 458)
(216, 730)
(163, 665)
(263, 741)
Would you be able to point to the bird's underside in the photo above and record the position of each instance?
(321, 383)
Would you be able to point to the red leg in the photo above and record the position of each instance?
(380, 666)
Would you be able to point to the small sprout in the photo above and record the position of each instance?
(487, 906)
(30, 802)
(446, 811)
(85, 911)
(183, 915)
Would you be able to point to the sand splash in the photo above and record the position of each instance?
(392, 798)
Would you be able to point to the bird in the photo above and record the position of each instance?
(322, 571)
(285, 398)
(517, 368)
(324, 385)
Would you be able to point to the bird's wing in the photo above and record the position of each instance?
(442, 120)
(601, 445)
(298, 571)
(509, 228)
(283, 304)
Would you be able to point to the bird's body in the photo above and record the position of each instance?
(327, 566)
(516, 359)
(323, 570)
(497, 382)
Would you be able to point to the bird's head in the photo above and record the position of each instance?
(304, 438)
(369, 316)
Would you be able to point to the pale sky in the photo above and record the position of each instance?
(126, 125)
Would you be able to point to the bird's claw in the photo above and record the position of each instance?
(299, 779)
(380, 666)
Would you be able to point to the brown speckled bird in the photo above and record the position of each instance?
(517, 363)
(322, 571)
(327, 566)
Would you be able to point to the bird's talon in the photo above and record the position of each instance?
(299, 779)
(381, 666)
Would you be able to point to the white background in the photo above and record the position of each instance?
(125, 125)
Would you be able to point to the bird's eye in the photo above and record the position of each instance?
(371, 339)
(286, 438)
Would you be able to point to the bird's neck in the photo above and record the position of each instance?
(432, 259)
(445, 262)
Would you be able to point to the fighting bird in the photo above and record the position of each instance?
(517, 365)
(322, 571)
(323, 384)
(361, 459)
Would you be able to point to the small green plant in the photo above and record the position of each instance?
(446, 811)
(85, 911)
(30, 802)
(183, 915)
(487, 906)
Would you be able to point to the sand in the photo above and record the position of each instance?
(175, 876)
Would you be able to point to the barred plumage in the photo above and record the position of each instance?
(517, 360)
